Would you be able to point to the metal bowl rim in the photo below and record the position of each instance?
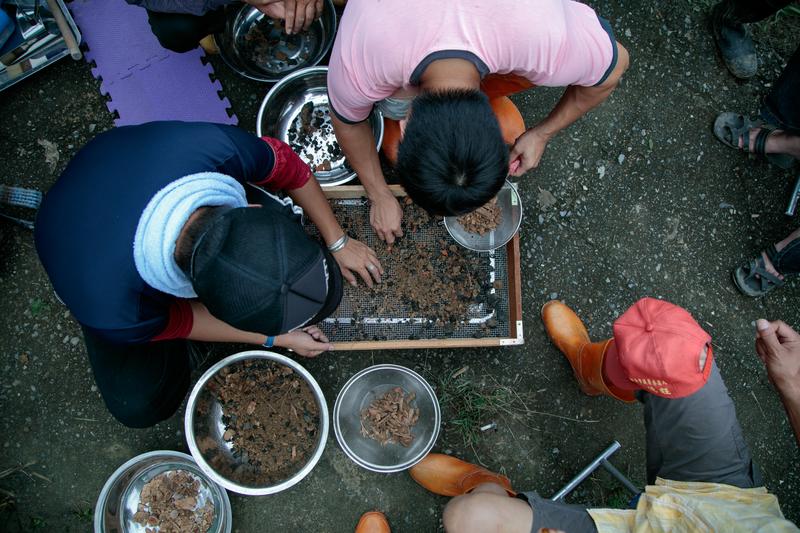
(515, 192)
(319, 69)
(102, 499)
(265, 79)
(402, 466)
(231, 485)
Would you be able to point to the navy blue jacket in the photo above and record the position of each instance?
(87, 222)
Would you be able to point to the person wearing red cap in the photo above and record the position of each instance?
(697, 460)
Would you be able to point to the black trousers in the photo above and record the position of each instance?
(141, 384)
(180, 32)
(781, 106)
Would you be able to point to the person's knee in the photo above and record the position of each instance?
(133, 416)
(143, 406)
(179, 34)
(471, 512)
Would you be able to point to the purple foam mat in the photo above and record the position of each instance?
(144, 81)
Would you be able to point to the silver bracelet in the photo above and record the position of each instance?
(339, 244)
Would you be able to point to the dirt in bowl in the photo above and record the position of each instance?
(170, 503)
(268, 46)
(390, 418)
(483, 220)
(271, 420)
(311, 136)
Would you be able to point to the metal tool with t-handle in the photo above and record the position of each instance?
(793, 200)
(600, 460)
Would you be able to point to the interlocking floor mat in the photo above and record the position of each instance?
(143, 80)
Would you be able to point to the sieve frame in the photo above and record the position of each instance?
(514, 291)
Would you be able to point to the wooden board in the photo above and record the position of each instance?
(515, 337)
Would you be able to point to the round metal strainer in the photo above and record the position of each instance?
(511, 208)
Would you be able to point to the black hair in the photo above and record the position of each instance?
(188, 238)
(452, 158)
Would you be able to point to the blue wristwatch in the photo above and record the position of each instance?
(269, 342)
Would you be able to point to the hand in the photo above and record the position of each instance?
(527, 151)
(778, 347)
(308, 341)
(298, 14)
(385, 215)
(357, 256)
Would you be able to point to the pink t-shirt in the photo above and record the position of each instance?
(383, 46)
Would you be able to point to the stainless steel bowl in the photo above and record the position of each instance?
(359, 392)
(256, 47)
(119, 499)
(210, 424)
(511, 207)
(280, 117)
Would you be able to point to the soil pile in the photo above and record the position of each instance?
(169, 502)
(390, 418)
(271, 420)
(483, 220)
(424, 278)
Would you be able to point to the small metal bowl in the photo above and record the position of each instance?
(119, 499)
(256, 46)
(511, 207)
(280, 116)
(359, 392)
(210, 424)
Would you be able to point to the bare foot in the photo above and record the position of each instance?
(769, 266)
(778, 247)
(778, 142)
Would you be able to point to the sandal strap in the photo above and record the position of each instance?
(757, 270)
(773, 254)
(761, 139)
(745, 135)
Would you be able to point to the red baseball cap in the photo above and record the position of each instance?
(658, 347)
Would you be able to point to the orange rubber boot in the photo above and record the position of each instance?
(508, 116)
(391, 139)
(373, 522)
(209, 45)
(585, 357)
(448, 476)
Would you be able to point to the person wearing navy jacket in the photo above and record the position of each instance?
(148, 237)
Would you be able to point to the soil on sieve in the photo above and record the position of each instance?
(424, 278)
(169, 503)
(390, 418)
(271, 420)
(483, 220)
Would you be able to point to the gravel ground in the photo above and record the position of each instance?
(637, 199)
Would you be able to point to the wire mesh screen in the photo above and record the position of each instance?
(432, 288)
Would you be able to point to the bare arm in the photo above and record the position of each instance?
(311, 198)
(778, 346)
(358, 144)
(308, 342)
(355, 256)
(574, 103)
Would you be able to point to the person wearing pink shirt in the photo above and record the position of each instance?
(440, 74)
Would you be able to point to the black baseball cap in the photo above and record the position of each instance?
(257, 270)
